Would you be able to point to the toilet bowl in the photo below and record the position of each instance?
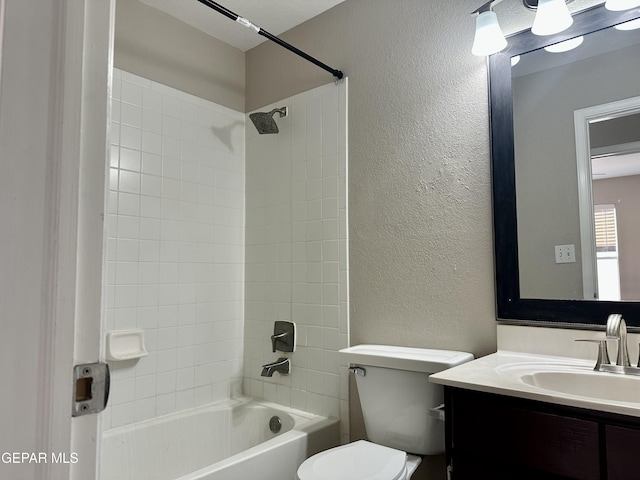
(401, 411)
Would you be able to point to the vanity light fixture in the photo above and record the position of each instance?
(552, 16)
(618, 5)
(489, 38)
(566, 45)
(630, 25)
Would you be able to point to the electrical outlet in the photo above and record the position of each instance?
(565, 253)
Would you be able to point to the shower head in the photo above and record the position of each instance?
(265, 122)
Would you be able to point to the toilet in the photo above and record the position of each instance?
(402, 413)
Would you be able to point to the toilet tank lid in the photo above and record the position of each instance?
(404, 358)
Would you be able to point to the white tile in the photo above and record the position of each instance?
(147, 295)
(151, 185)
(115, 111)
(171, 147)
(185, 399)
(130, 159)
(151, 143)
(122, 414)
(127, 250)
(145, 409)
(202, 395)
(171, 127)
(315, 189)
(152, 100)
(131, 115)
(129, 182)
(149, 228)
(185, 378)
(151, 121)
(168, 292)
(164, 89)
(125, 318)
(151, 163)
(145, 386)
(329, 165)
(130, 137)
(330, 229)
(165, 404)
(167, 338)
(131, 93)
(126, 273)
(122, 391)
(114, 157)
(136, 79)
(185, 357)
(166, 382)
(150, 207)
(168, 316)
(171, 106)
(171, 168)
(128, 226)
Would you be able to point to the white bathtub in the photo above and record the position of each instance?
(222, 441)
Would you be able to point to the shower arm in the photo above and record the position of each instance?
(243, 21)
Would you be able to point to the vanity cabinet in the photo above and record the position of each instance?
(498, 437)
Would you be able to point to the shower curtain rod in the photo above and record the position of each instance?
(243, 21)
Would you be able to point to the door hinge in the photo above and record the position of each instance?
(449, 472)
(91, 383)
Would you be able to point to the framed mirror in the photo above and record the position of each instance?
(556, 121)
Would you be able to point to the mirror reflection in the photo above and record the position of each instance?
(579, 237)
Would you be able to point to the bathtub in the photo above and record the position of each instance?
(231, 440)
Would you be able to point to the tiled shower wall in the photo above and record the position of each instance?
(175, 248)
(296, 251)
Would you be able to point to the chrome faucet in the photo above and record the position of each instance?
(282, 366)
(617, 330)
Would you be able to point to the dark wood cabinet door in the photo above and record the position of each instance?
(499, 428)
(623, 453)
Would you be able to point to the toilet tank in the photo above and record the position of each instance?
(396, 395)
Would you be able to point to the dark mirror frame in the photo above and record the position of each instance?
(509, 304)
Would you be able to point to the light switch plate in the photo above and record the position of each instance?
(565, 253)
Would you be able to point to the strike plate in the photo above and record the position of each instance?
(90, 388)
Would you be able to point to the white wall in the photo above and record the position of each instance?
(175, 248)
(297, 266)
(153, 44)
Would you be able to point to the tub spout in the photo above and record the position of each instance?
(282, 365)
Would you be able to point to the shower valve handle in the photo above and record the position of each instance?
(275, 338)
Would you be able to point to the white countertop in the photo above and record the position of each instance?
(501, 373)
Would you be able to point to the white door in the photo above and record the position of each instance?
(54, 83)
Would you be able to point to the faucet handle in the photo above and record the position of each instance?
(284, 336)
(603, 353)
(276, 337)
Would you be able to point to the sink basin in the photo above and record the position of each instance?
(598, 385)
(559, 380)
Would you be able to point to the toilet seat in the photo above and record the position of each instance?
(359, 460)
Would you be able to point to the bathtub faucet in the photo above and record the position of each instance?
(282, 365)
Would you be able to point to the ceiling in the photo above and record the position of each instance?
(274, 16)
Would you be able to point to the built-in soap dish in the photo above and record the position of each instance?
(125, 345)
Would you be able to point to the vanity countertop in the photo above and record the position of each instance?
(559, 380)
